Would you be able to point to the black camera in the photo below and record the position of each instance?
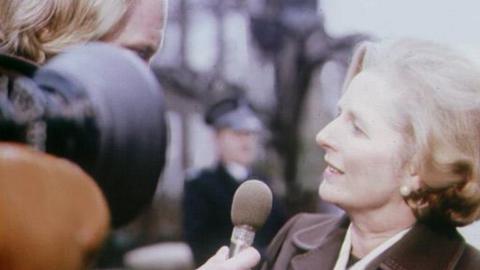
(98, 106)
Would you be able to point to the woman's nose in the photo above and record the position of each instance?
(324, 138)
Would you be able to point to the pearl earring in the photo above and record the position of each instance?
(405, 190)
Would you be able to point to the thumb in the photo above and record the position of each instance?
(246, 259)
(220, 256)
(216, 260)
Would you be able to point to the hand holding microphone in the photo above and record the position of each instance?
(245, 260)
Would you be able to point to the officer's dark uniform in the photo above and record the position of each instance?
(208, 196)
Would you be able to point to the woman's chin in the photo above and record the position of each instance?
(329, 193)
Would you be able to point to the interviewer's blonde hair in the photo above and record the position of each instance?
(438, 110)
(37, 30)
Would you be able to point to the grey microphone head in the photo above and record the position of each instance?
(252, 203)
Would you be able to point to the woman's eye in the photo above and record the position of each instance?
(357, 129)
(143, 54)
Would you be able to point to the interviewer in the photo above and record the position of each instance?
(38, 30)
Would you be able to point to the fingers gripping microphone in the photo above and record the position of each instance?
(251, 206)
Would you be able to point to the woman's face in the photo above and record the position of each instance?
(143, 28)
(363, 150)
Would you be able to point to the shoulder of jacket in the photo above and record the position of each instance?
(304, 220)
(196, 174)
(470, 259)
(283, 239)
(193, 174)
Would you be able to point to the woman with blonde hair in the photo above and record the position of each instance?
(37, 30)
(402, 161)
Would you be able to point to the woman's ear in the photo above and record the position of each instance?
(356, 64)
(415, 182)
(412, 184)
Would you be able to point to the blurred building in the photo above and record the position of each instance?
(279, 53)
(216, 45)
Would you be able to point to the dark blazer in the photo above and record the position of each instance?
(313, 241)
(207, 201)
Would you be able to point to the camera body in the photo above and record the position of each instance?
(97, 105)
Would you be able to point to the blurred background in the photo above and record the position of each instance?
(289, 58)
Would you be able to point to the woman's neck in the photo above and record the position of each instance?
(370, 229)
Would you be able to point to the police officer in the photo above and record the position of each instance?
(209, 192)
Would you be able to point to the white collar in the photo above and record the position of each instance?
(344, 254)
(237, 171)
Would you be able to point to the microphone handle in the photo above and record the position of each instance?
(242, 237)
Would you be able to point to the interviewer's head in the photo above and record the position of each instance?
(38, 30)
(410, 121)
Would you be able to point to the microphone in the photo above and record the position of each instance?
(251, 206)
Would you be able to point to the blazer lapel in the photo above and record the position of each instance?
(422, 249)
(321, 252)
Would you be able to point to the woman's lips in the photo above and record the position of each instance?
(331, 171)
(333, 168)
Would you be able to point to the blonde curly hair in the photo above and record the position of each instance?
(438, 111)
(37, 30)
